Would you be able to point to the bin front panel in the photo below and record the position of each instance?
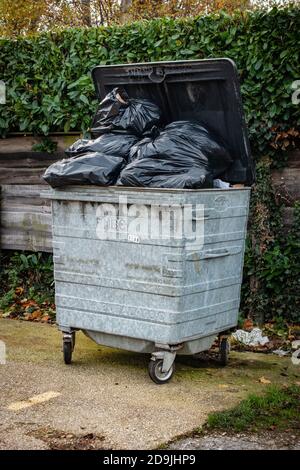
(136, 284)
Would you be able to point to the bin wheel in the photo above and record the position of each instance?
(156, 373)
(67, 351)
(223, 351)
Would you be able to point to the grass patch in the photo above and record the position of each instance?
(277, 408)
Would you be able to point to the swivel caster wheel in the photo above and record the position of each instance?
(68, 347)
(67, 351)
(224, 351)
(156, 373)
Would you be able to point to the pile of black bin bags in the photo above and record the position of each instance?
(131, 150)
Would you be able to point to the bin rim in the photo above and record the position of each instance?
(52, 193)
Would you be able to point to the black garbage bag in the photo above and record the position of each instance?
(92, 168)
(118, 112)
(108, 144)
(165, 173)
(183, 139)
(184, 155)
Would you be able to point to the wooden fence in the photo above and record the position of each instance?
(26, 217)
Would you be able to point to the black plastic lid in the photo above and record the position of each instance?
(204, 90)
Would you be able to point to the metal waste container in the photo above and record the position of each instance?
(158, 271)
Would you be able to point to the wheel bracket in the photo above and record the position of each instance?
(168, 357)
(67, 338)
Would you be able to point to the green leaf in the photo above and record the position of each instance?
(258, 64)
(84, 99)
(187, 52)
(45, 128)
(24, 260)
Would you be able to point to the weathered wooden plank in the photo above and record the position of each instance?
(36, 203)
(25, 218)
(19, 164)
(24, 190)
(21, 175)
(36, 161)
(22, 240)
(23, 144)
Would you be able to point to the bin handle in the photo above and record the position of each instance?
(216, 254)
(211, 254)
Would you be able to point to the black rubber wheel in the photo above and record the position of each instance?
(223, 352)
(67, 350)
(156, 374)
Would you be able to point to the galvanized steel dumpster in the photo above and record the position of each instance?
(127, 272)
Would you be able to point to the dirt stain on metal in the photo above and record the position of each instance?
(196, 261)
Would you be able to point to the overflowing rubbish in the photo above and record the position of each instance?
(165, 173)
(185, 139)
(184, 155)
(109, 144)
(92, 168)
(118, 112)
(131, 150)
(250, 338)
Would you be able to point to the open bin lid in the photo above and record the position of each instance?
(207, 91)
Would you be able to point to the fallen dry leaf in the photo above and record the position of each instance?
(19, 290)
(248, 324)
(223, 386)
(28, 303)
(36, 314)
(45, 318)
(263, 380)
(6, 314)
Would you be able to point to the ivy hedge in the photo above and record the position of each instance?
(49, 86)
(270, 287)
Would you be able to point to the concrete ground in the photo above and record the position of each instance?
(239, 441)
(105, 398)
